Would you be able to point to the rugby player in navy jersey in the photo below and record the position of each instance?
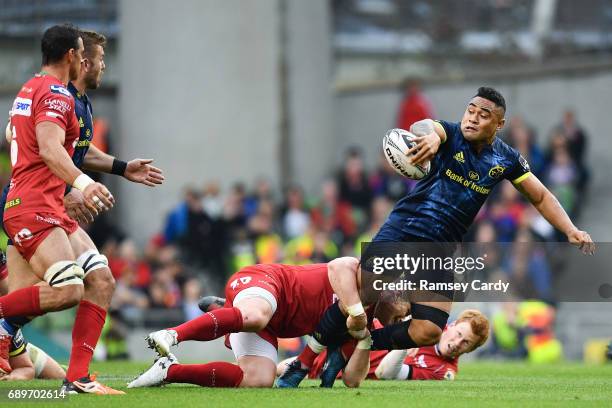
(98, 280)
(467, 161)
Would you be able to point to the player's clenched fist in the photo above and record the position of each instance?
(97, 196)
(74, 202)
(355, 323)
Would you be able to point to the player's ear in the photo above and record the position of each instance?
(501, 123)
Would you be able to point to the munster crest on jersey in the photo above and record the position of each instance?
(496, 171)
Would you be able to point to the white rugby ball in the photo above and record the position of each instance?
(396, 143)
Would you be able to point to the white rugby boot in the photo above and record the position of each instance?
(161, 341)
(155, 376)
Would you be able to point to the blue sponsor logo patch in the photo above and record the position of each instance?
(60, 90)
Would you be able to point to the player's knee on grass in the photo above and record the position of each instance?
(424, 332)
(258, 372)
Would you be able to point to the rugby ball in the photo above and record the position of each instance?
(396, 143)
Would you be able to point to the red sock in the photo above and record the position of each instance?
(215, 374)
(85, 334)
(210, 325)
(22, 302)
(307, 357)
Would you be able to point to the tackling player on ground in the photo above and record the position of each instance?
(440, 210)
(263, 303)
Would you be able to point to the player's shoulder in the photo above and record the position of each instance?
(51, 86)
(449, 127)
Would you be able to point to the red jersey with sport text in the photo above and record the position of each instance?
(33, 187)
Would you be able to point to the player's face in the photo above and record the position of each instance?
(481, 120)
(76, 58)
(457, 339)
(391, 312)
(93, 67)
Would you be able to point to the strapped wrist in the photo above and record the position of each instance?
(119, 167)
(355, 310)
(82, 181)
(365, 344)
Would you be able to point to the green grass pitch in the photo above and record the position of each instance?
(495, 384)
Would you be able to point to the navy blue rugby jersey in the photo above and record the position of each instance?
(443, 204)
(84, 114)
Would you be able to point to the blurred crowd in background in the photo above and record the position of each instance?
(211, 233)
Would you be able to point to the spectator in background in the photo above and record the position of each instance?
(414, 106)
(192, 291)
(333, 216)
(506, 213)
(523, 139)
(177, 220)
(263, 192)
(381, 207)
(295, 219)
(212, 201)
(268, 245)
(577, 143)
(354, 186)
(562, 175)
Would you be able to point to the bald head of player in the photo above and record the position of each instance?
(62, 47)
(483, 116)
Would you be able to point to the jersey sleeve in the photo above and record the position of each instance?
(18, 344)
(54, 105)
(450, 129)
(519, 169)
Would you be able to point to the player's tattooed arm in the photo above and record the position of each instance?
(547, 204)
(430, 135)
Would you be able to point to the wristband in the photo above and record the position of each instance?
(355, 310)
(82, 181)
(365, 344)
(119, 167)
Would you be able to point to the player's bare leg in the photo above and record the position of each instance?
(249, 314)
(21, 275)
(424, 329)
(427, 331)
(258, 372)
(53, 261)
(91, 314)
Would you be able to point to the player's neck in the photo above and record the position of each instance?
(478, 146)
(60, 72)
(79, 84)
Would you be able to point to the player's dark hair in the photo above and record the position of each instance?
(492, 95)
(91, 38)
(57, 41)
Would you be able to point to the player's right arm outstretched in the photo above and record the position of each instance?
(50, 138)
(550, 208)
